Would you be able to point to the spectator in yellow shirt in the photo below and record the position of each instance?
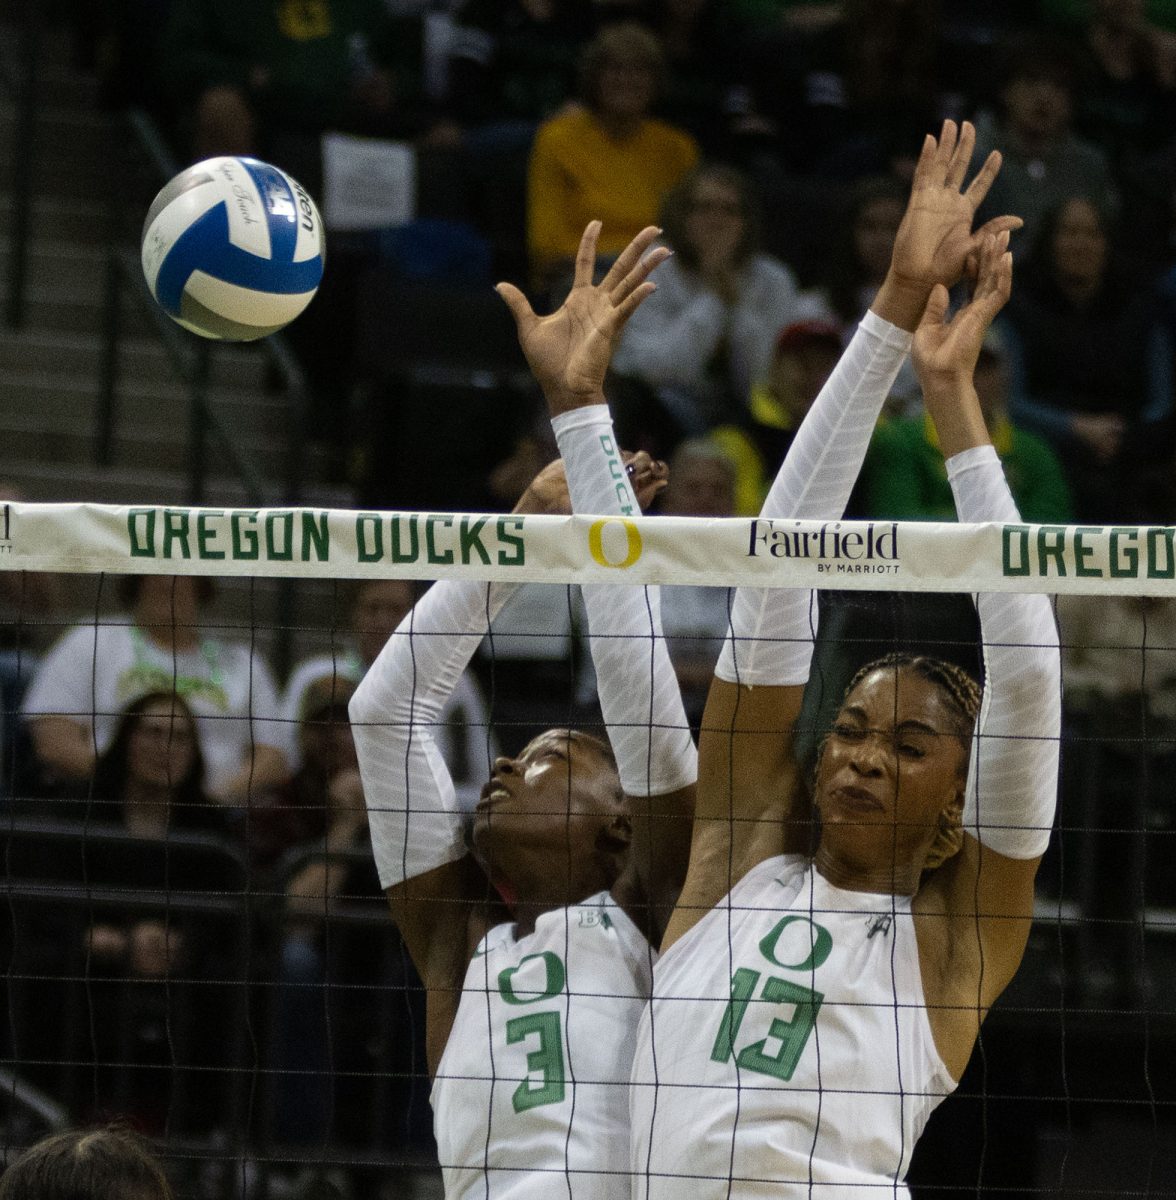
(605, 158)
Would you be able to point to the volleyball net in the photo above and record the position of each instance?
(231, 979)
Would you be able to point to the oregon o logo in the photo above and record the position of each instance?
(810, 942)
(632, 542)
(554, 976)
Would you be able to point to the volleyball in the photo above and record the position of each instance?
(233, 249)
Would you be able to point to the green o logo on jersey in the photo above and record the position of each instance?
(553, 980)
(815, 947)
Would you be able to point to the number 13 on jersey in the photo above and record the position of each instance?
(791, 1033)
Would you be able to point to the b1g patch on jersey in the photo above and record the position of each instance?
(595, 918)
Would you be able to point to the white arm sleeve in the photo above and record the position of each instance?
(416, 823)
(639, 694)
(1013, 775)
(773, 629)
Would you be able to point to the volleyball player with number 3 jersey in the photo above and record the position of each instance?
(811, 1008)
(533, 999)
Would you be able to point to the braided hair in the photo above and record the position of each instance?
(962, 694)
(961, 691)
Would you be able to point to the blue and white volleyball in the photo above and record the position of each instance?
(233, 249)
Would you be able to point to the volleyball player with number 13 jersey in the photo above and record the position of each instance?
(811, 1008)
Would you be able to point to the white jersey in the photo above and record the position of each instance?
(786, 1052)
(531, 1097)
(95, 671)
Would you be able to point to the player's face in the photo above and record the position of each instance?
(893, 764)
(541, 814)
(162, 745)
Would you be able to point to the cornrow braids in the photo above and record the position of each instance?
(961, 689)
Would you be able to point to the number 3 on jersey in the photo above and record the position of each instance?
(547, 1058)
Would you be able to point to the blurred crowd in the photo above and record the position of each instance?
(772, 141)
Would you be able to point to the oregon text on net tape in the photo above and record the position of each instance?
(339, 544)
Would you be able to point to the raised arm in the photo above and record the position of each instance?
(982, 899)
(417, 829)
(748, 808)
(435, 888)
(569, 353)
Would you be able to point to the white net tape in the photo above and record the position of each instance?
(308, 543)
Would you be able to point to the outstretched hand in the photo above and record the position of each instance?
(949, 347)
(935, 240)
(570, 350)
(548, 491)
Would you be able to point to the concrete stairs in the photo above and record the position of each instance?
(50, 366)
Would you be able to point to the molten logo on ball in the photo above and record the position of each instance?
(233, 249)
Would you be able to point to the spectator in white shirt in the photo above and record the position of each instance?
(95, 670)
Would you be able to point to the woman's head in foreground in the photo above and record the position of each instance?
(892, 771)
(96, 1164)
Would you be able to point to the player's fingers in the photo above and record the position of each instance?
(986, 258)
(642, 461)
(944, 151)
(972, 267)
(925, 163)
(639, 273)
(1005, 276)
(961, 156)
(1001, 224)
(586, 256)
(639, 467)
(999, 289)
(995, 284)
(979, 186)
(936, 308)
(647, 475)
(998, 227)
(996, 244)
(519, 305)
(630, 304)
(629, 257)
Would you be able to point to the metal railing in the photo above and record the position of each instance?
(52, 984)
(50, 979)
(387, 1095)
(191, 356)
(191, 363)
